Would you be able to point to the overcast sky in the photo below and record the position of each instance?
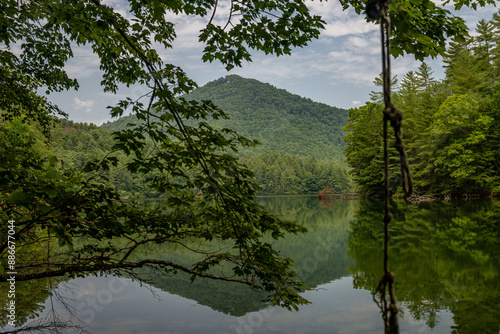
(337, 69)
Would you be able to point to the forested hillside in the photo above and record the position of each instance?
(279, 120)
(451, 127)
(301, 150)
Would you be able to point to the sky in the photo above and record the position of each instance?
(337, 69)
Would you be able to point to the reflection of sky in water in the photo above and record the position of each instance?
(122, 306)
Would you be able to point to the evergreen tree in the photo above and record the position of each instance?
(484, 51)
(460, 81)
(495, 21)
(364, 150)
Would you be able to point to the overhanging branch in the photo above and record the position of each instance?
(107, 267)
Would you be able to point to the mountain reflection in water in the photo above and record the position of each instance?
(445, 256)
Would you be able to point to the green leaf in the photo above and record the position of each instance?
(19, 198)
(52, 173)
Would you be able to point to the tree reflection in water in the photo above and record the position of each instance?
(445, 256)
(33, 297)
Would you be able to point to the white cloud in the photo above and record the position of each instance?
(85, 63)
(327, 10)
(367, 44)
(346, 57)
(85, 105)
(355, 103)
(348, 27)
(187, 29)
(340, 22)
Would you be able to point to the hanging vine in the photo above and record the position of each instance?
(378, 10)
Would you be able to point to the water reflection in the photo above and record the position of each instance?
(444, 255)
(320, 256)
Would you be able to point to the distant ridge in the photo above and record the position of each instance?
(280, 120)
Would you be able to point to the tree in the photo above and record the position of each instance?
(364, 150)
(209, 194)
(458, 132)
(495, 21)
(408, 97)
(484, 44)
(378, 96)
(459, 57)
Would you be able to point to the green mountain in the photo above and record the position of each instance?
(281, 121)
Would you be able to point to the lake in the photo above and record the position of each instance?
(445, 256)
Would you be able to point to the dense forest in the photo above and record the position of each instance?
(286, 174)
(451, 126)
(301, 141)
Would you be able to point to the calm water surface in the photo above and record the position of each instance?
(445, 256)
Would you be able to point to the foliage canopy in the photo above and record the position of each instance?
(451, 127)
(210, 195)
